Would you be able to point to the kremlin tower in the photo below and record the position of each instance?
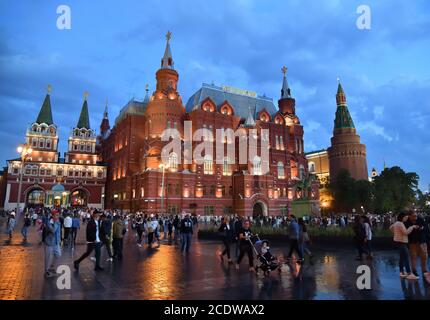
(346, 151)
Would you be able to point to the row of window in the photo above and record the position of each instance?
(82, 146)
(41, 143)
(48, 172)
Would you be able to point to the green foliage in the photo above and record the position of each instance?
(395, 190)
(314, 231)
(349, 193)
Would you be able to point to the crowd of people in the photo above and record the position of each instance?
(58, 230)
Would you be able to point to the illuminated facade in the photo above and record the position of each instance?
(49, 180)
(132, 150)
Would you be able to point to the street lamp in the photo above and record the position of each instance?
(162, 166)
(24, 150)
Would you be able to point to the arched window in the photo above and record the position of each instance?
(208, 165)
(257, 166)
(281, 171)
(311, 167)
(226, 167)
(173, 161)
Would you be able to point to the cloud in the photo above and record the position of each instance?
(114, 53)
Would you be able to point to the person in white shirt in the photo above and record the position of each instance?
(401, 240)
(369, 235)
(67, 224)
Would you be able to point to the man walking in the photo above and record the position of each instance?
(118, 231)
(186, 233)
(294, 236)
(52, 241)
(76, 225)
(106, 235)
(24, 230)
(93, 242)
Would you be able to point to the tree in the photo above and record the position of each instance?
(395, 190)
(344, 193)
(364, 189)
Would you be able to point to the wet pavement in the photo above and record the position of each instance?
(166, 273)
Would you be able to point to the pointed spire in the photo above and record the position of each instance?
(146, 99)
(167, 60)
(105, 113)
(84, 119)
(250, 120)
(285, 91)
(343, 117)
(45, 113)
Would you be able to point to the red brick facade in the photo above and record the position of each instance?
(132, 152)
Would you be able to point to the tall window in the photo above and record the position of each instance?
(281, 142)
(208, 165)
(257, 166)
(226, 168)
(281, 171)
(311, 167)
(173, 161)
(277, 142)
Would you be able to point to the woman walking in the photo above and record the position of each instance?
(11, 225)
(226, 236)
(401, 242)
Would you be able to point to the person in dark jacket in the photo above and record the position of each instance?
(93, 234)
(186, 229)
(359, 236)
(245, 246)
(226, 233)
(417, 244)
(237, 227)
(106, 235)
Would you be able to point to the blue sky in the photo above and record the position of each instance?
(114, 48)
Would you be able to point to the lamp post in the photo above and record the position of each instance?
(162, 166)
(24, 150)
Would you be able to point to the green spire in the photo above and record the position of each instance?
(84, 119)
(343, 117)
(339, 89)
(45, 113)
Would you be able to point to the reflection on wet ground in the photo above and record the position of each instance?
(165, 273)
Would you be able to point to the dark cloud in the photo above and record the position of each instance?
(113, 52)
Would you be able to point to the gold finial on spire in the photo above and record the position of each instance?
(338, 79)
(49, 89)
(86, 94)
(168, 35)
(147, 87)
(107, 102)
(284, 70)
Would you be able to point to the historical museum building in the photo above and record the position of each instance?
(77, 179)
(138, 179)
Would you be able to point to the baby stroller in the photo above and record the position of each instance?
(266, 261)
